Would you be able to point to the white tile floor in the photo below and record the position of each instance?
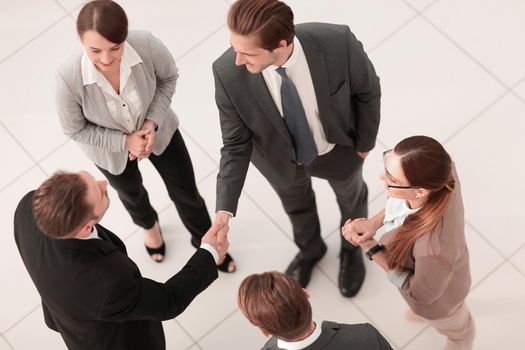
(450, 69)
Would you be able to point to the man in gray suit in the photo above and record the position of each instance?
(279, 307)
(298, 101)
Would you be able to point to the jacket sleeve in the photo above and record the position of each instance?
(133, 297)
(428, 282)
(366, 94)
(76, 127)
(382, 343)
(166, 74)
(235, 152)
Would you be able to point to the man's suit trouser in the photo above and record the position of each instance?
(342, 168)
(176, 170)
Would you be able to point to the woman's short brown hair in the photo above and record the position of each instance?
(105, 17)
(60, 205)
(270, 20)
(276, 303)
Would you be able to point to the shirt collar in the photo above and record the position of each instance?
(93, 235)
(130, 58)
(301, 344)
(294, 57)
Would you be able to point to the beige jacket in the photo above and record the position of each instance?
(440, 278)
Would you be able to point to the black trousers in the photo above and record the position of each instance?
(176, 170)
(342, 167)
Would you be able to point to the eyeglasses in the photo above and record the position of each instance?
(387, 174)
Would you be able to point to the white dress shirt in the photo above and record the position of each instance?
(301, 344)
(299, 73)
(125, 107)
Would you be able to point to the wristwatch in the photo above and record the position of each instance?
(378, 247)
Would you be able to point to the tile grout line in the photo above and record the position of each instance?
(392, 34)
(217, 325)
(181, 56)
(186, 332)
(476, 117)
(465, 52)
(22, 147)
(62, 7)
(198, 145)
(7, 342)
(20, 320)
(32, 39)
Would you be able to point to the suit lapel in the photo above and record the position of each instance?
(262, 95)
(318, 70)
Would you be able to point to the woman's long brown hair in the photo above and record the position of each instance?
(425, 164)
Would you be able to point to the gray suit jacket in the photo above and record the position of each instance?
(335, 336)
(85, 117)
(348, 96)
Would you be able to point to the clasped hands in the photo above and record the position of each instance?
(217, 237)
(140, 144)
(360, 232)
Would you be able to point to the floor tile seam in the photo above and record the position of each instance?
(193, 340)
(417, 335)
(53, 151)
(22, 147)
(199, 146)
(61, 6)
(18, 177)
(423, 9)
(200, 42)
(469, 55)
(354, 303)
(392, 33)
(517, 268)
(20, 320)
(7, 342)
(477, 116)
(217, 325)
(518, 96)
(484, 238)
(281, 229)
(28, 42)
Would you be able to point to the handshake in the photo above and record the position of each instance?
(217, 238)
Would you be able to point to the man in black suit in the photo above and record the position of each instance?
(279, 306)
(297, 101)
(92, 293)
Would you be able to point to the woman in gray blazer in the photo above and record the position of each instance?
(114, 99)
(423, 250)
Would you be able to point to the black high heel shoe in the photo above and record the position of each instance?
(225, 264)
(160, 250)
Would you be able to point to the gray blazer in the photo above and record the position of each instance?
(348, 95)
(84, 115)
(335, 336)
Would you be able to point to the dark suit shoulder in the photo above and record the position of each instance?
(357, 336)
(225, 64)
(322, 29)
(271, 344)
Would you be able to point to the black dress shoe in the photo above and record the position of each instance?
(300, 268)
(351, 271)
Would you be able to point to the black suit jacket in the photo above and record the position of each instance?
(335, 336)
(95, 296)
(348, 96)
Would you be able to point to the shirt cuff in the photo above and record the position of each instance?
(227, 212)
(397, 277)
(212, 251)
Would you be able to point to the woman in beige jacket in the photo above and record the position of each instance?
(423, 250)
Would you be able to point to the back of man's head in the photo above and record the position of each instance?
(275, 303)
(60, 205)
(270, 20)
